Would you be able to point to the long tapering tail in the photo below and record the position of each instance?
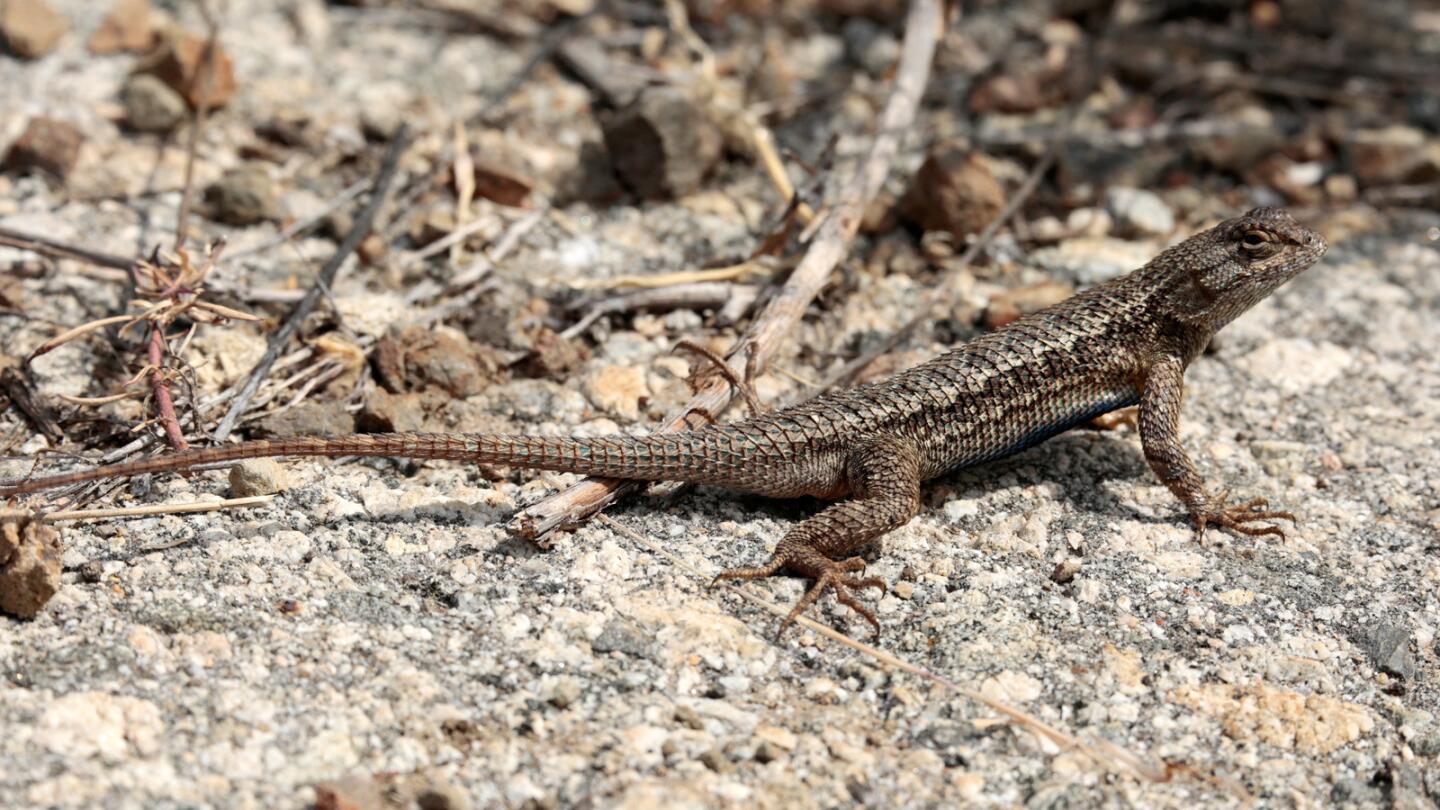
(678, 457)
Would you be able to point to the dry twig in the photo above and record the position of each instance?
(157, 509)
(831, 242)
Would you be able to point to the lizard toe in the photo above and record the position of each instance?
(1236, 518)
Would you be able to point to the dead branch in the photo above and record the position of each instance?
(923, 27)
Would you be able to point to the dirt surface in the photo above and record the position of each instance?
(374, 635)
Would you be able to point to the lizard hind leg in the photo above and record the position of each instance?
(886, 483)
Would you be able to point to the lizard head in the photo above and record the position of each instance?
(1224, 271)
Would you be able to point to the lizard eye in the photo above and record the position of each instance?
(1256, 241)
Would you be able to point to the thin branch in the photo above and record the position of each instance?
(923, 28)
(157, 509)
(62, 250)
(323, 282)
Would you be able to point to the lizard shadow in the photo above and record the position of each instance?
(1079, 463)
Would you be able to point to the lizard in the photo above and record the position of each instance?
(1122, 342)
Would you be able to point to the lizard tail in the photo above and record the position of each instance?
(680, 457)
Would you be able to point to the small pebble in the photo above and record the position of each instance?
(257, 476)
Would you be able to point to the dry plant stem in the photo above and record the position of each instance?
(699, 295)
(323, 282)
(158, 509)
(832, 241)
(160, 388)
(61, 250)
(1103, 753)
(207, 55)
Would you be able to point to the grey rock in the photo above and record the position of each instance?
(1356, 791)
(623, 637)
(150, 104)
(309, 419)
(1388, 646)
(244, 196)
(1407, 787)
(664, 144)
(1138, 213)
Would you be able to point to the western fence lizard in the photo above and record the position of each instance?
(1122, 342)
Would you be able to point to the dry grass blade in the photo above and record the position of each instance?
(78, 331)
(733, 272)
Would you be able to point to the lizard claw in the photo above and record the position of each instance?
(1235, 517)
(828, 575)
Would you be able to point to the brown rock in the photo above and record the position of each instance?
(664, 144)
(29, 563)
(257, 476)
(30, 29)
(502, 184)
(502, 174)
(1013, 93)
(619, 390)
(419, 358)
(953, 191)
(46, 145)
(243, 196)
(553, 357)
(1393, 154)
(385, 412)
(178, 63)
(308, 419)
(449, 360)
(126, 28)
(1011, 305)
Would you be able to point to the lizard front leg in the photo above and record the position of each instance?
(884, 478)
(1164, 390)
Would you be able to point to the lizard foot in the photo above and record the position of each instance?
(1235, 517)
(828, 575)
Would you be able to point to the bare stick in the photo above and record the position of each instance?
(62, 250)
(923, 27)
(323, 282)
(160, 389)
(157, 509)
